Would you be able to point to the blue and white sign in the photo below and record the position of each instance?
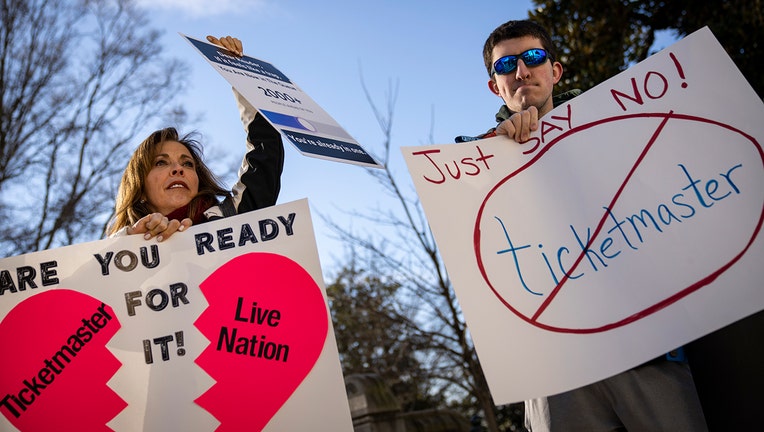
(290, 110)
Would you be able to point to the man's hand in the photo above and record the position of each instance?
(157, 225)
(520, 125)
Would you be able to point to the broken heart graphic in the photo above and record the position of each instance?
(267, 322)
(55, 364)
(627, 221)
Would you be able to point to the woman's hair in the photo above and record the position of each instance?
(517, 29)
(130, 205)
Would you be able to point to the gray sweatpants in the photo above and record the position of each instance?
(654, 397)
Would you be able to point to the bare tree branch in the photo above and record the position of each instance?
(405, 251)
(79, 80)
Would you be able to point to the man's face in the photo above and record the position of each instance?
(526, 85)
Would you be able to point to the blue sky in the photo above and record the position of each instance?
(430, 48)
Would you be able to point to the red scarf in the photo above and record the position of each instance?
(198, 217)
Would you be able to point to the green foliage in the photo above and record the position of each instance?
(596, 39)
(79, 80)
(737, 24)
(375, 336)
(599, 38)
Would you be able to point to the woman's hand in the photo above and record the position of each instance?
(230, 43)
(157, 225)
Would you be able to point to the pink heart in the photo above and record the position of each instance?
(534, 314)
(267, 323)
(55, 364)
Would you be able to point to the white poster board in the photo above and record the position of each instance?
(222, 327)
(627, 226)
(290, 110)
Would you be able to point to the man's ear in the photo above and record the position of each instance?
(493, 87)
(557, 70)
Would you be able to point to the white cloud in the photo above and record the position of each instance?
(199, 8)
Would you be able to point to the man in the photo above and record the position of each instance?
(656, 396)
(527, 97)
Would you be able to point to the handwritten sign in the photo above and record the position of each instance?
(628, 225)
(290, 110)
(223, 327)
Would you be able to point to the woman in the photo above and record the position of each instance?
(167, 187)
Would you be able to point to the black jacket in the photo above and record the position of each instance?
(259, 179)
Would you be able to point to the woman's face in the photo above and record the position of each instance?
(172, 182)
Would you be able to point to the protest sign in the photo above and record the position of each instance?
(290, 110)
(628, 225)
(222, 327)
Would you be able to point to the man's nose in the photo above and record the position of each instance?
(522, 72)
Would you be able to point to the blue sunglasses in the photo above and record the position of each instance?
(507, 64)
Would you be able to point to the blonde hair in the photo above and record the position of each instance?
(130, 205)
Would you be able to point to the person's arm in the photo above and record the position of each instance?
(259, 180)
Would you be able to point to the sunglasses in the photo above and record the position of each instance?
(507, 64)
